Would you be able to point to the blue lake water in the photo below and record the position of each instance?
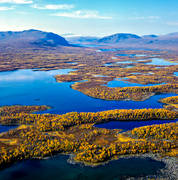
(176, 73)
(27, 87)
(155, 61)
(124, 62)
(119, 82)
(72, 63)
(108, 64)
(128, 125)
(99, 75)
(57, 168)
(121, 63)
(132, 55)
(6, 128)
(160, 61)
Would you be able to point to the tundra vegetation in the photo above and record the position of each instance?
(171, 102)
(93, 74)
(40, 135)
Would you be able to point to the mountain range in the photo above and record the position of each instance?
(127, 40)
(36, 38)
(30, 38)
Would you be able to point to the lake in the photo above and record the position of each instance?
(155, 61)
(6, 128)
(129, 125)
(57, 168)
(121, 82)
(28, 87)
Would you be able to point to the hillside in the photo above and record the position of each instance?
(82, 39)
(31, 38)
(167, 41)
(116, 38)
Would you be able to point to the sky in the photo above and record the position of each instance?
(90, 17)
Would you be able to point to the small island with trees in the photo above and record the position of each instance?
(41, 135)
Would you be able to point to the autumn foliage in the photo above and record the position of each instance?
(43, 135)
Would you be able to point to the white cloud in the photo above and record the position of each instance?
(54, 6)
(17, 1)
(172, 23)
(144, 18)
(6, 8)
(82, 15)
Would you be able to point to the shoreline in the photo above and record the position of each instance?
(169, 172)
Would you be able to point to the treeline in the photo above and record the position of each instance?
(170, 100)
(97, 154)
(49, 122)
(133, 93)
(81, 141)
(161, 131)
(45, 135)
(18, 109)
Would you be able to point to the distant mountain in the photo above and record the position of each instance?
(133, 41)
(150, 36)
(122, 40)
(30, 38)
(35, 38)
(82, 39)
(169, 36)
(116, 38)
(172, 34)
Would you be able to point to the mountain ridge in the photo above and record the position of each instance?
(37, 38)
(32, 37)
(115, 38)
(127, 40)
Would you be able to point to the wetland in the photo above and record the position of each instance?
(52, 100)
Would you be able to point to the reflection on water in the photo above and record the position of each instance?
(27, 87)
(160, 61)
(40, 88)
(119, 82)
(29, 75)
(176, 73)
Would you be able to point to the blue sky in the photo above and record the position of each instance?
(90, 17)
